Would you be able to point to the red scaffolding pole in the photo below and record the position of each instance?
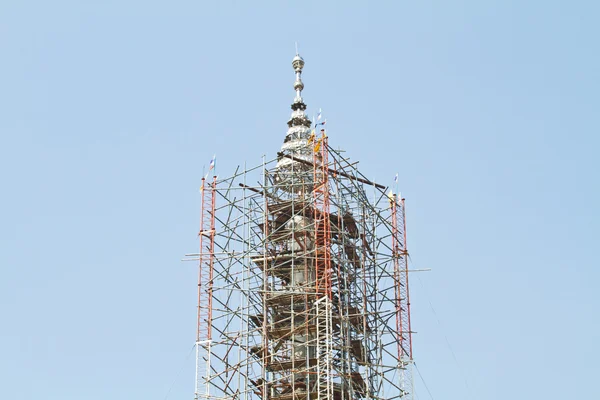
(207, 256)
(400, 260)
(322, 219)
(205, 288)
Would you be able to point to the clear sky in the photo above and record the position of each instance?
(109, 110)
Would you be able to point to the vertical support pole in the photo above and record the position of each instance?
(322, 218)
(410, 353)
(197, 382)
(265, 276)
(402, 296)
(397, 277)
(323, 271)
(205, 289)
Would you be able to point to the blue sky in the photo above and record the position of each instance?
(488, 110)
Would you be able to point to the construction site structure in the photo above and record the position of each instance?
(303, 278)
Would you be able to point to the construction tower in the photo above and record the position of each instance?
(303, 277)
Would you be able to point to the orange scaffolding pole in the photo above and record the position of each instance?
(322, 221)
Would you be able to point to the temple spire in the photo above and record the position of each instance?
(296, 142)
(299, 118)
(298, 64)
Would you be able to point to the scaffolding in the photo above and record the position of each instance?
(303, 278)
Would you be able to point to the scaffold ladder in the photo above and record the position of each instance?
(205, 277)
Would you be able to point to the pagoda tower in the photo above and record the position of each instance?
(303, 277)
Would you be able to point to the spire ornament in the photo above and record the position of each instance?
(298, 64)
(297, 138)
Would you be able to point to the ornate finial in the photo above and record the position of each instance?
(296, 139)
(298, 64)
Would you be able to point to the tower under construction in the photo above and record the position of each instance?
(303, 277)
